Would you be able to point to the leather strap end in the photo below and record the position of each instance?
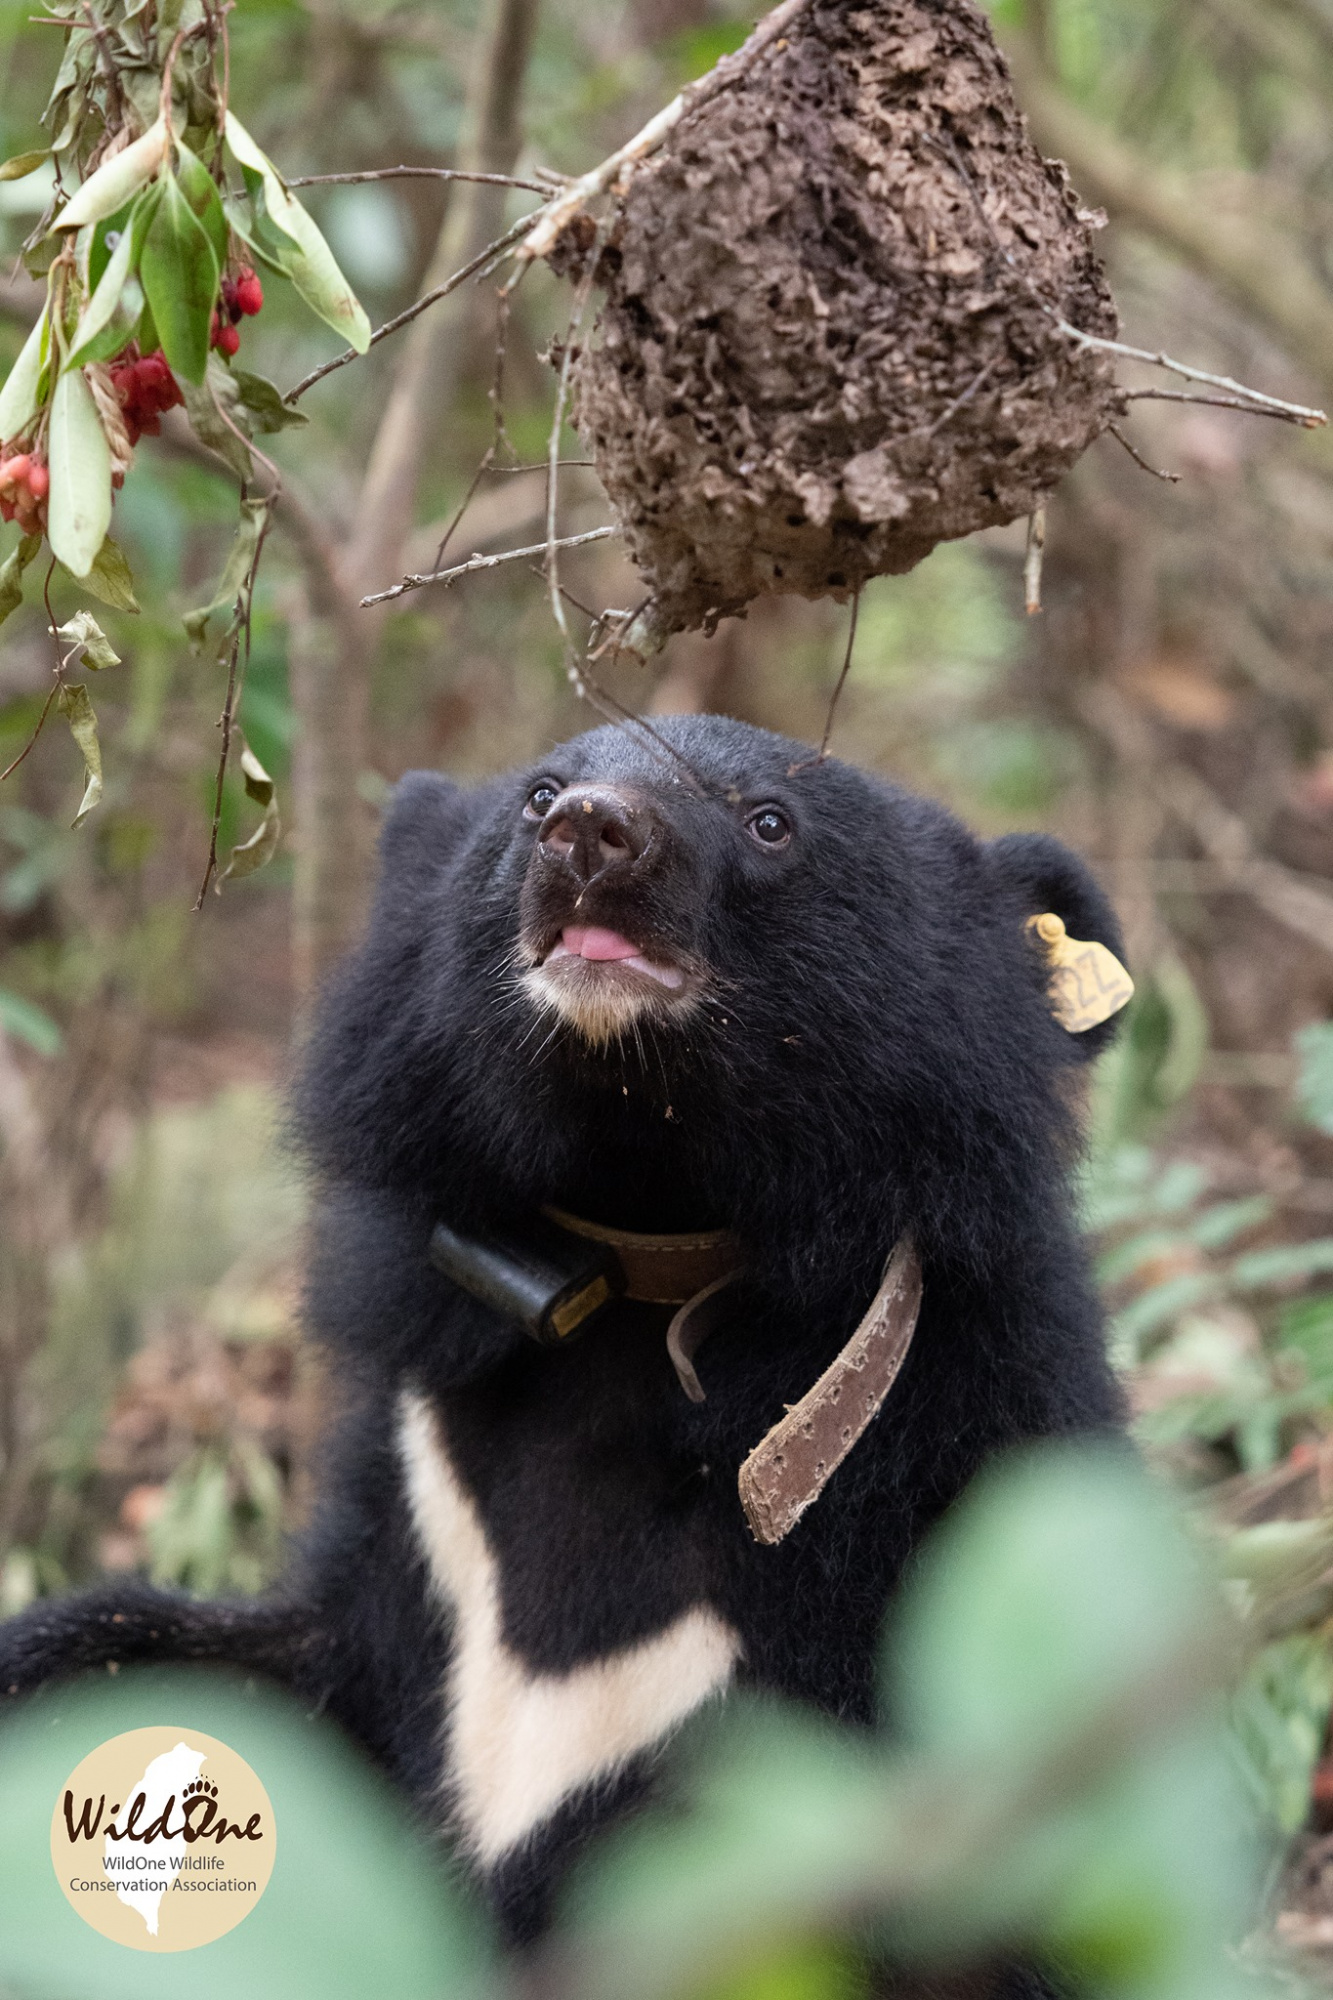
(790, 1467)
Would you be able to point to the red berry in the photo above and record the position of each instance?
(39, 480)
(249, 293)
(14, 471)
(226, 340)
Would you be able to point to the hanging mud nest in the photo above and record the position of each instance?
(829, 337)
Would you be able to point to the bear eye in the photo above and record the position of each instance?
(769, 826)
(540, 799)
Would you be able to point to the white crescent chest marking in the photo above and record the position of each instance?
(520, 1742)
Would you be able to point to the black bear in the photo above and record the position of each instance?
(653, 1058)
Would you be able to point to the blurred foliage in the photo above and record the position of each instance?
(1056, 1785)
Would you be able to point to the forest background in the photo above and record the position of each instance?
(1169, 712)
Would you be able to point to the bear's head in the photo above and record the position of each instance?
(705, 980)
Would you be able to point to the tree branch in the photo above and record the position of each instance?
(447, 576)
(562, 212)
(418, 174)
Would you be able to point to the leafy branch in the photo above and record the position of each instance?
(164, 213)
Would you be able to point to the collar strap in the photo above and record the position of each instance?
(661, 1270)
(790, 1467)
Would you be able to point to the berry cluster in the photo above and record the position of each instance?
(145, 387)
(24, 485)
(242, 297)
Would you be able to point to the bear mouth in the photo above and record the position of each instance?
(602, 983)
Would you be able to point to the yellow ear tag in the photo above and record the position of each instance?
(1088, 983)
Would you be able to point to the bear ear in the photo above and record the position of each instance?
(1055, 897)
(426, 818)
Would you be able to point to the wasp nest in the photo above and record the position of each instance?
(828, 340)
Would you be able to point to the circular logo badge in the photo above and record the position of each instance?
(163, 1839)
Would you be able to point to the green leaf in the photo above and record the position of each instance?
(256, 852)
(263, 404)
(11, 574)
(179, 275)
(1314, 1088)
(203, 406)
(1221, 1224)
(1306, 1328)
(1280, 1714)
(1281, 1264)
(80, 462)
(97, 315)
(249, 856)
(28, 1023)
(246, 215)
(22, 164)
(315, 273)
(232, 582)
(309, 263)
(74, 704)
(201, 192)
(116, 180)
(358, 1903)
(258, 784)
(1059, 1578)
(18, 398)
(95, 650)
(110, 579)
(101, 248)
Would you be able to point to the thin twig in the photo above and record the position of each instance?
(842, 679)
(1213, 402)
(237, 660)
(168, 67)
(1273, 406)
(562, 211)
(108, 61)
(499, 435)
(1171, 478)
(584, 682)
(46, 710)
(464, 503)
(478, 264)
(447, 576)
(1032, 561)
(225, 723)
(808, 763)
(552, 565)
(419, 173)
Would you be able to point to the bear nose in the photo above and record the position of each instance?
(595, 827)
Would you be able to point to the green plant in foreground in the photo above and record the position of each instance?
(1054, 1781)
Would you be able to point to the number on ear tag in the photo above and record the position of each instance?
(1088, 983)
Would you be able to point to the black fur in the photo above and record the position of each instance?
(872, 1052)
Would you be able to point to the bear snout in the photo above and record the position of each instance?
(591, 829)
(595, 894)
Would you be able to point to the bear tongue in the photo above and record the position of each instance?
(596, 944)
(592, 944)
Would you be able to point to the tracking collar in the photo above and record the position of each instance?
(562, 1270)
